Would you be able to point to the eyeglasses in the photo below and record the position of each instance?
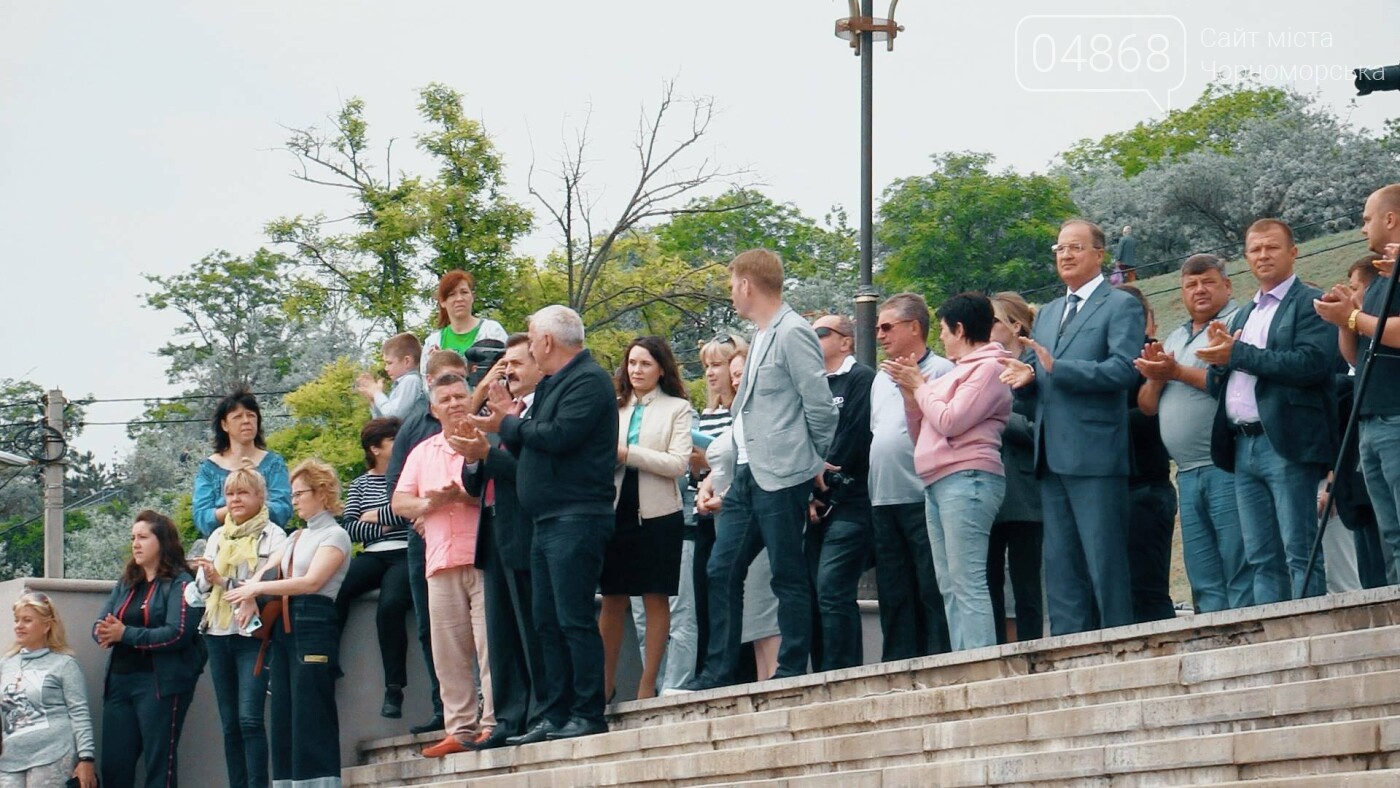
(1074, 248)
(885, 328)
(297, 494)
(825, 331)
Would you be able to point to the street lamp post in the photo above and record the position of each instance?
(862, 29)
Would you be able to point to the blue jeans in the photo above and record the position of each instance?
(836, 560)
(960, 508)
(242, 699)
(1278, 519)
(1221, 578)
(750, 519)
(1380, 463)
(566, 560)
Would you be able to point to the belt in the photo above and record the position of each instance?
(1251, 428)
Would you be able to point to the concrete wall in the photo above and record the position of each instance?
(359, 694)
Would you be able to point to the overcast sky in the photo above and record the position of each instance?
(138, 137)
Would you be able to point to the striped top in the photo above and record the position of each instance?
(713, 423)
(368, 493)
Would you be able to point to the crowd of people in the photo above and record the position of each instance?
(504, 494)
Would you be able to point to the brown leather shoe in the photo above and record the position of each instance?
(479, 741)
(447, 746)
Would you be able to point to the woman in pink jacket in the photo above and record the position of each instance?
(958, 419)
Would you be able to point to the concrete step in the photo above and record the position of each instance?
(1120, 646)
(1357, 752)
(1053, 699)
(662, 752)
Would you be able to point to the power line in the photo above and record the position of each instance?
(175, 398)
(165, 421)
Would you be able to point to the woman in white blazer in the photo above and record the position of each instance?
(643, 556)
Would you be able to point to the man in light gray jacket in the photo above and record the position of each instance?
(784, 422)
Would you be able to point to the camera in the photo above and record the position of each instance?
(480, 357)
(1379, 78)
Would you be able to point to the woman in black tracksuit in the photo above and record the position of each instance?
(156, 657)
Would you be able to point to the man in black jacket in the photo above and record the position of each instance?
(418, 427)
(567, 450)
(840, 539)
(516, 660)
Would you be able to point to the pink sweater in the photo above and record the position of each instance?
(960, 416)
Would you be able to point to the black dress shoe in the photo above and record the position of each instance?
(393, 703)
(538, 733)
(576, 727)
(699, 683)
(498, 738)
(435, 724)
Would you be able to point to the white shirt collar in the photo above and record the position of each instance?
(1087, 289)
(844, 368)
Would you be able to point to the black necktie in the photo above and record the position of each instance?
(1071, 309)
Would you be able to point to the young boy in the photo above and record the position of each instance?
(401, 354)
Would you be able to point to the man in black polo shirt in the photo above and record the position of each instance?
(1380, 403)
(567, 450)
(840, 539)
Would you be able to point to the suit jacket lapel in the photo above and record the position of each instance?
(1086, 311)
(741, 397)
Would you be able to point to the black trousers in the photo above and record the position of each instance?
(516, 662)
(136, 724)
(387, 571)
(418, 588)
(1015, 547)
(912, 619)
(305, 724)
(1152, 516)
(700, 576)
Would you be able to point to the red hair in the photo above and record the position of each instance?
(449, 282)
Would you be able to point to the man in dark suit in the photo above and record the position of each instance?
(516, 660)
(566, 450)
(1271, 368)
(1085, 343)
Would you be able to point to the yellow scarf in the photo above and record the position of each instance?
(238, 546)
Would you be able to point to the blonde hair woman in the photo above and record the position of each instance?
(305, 728)
(246, 538)
(43, 697)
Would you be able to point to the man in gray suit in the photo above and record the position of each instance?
(784, 422)
(1085, 343)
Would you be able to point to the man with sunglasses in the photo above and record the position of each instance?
(839, 541)
(912, 619)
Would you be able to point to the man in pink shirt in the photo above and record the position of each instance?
(430, 492)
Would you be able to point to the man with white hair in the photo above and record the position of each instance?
(567, 449)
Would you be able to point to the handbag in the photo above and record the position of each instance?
(270, 609)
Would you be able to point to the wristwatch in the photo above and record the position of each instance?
(1351, 320)
(86, 759)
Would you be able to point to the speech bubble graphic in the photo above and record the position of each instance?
(1102, 53)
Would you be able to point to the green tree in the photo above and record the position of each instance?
(714, 229)
(964, 227)
(326, 416)
(1212, 122)
(409, 230)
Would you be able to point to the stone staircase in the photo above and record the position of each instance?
(1299, 694)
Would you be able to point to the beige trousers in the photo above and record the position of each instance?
(457, 610)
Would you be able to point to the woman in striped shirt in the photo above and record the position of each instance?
(384, 562)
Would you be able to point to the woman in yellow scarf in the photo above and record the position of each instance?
(246, 538)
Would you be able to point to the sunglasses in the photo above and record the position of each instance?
(724, 338)
(885, 328)
(36, 596)
(825, 331)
